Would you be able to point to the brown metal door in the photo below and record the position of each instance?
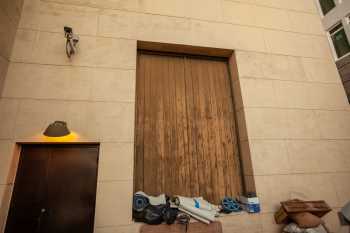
(55, 190)
(185, 138)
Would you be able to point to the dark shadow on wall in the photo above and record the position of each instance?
(10, 14)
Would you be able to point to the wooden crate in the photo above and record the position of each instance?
(318, 208)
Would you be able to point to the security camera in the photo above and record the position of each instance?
(72, 41)
(68, 30)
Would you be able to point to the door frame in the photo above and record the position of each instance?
(17, 149)
(246, 168)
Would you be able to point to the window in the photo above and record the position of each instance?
(340, 41)
(326, 6)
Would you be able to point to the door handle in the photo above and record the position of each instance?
(42, 213)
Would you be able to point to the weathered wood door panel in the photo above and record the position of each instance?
(185, 127)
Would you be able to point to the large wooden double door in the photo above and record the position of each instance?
(185, 138)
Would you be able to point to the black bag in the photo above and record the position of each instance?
(153, 214)
(170, 214)
(143, 211)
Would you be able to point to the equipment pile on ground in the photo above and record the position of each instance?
(156, 210)
(303, 216)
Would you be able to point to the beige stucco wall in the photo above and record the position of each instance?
(297, 115)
